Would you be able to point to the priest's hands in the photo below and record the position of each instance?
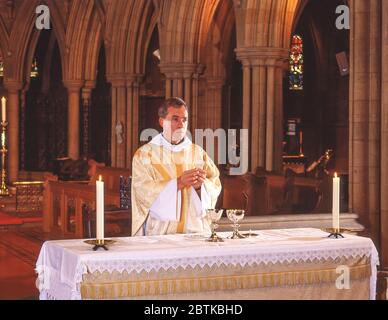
(192, 178)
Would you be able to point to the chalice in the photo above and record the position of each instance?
(235, 216)
(214, 215)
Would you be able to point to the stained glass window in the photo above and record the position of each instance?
(296, 63)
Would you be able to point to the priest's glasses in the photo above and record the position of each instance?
(214, 215)
(235, 216)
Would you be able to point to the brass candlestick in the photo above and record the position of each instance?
(97, 244)
(4, 192)
(336, 233)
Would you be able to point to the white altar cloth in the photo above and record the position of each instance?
(62, 264)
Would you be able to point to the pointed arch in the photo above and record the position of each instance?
(218, 38)
(24, 36)
(93, 47)
(129, 26)
(81, 14)
(4, 38)
(265, 23)
(181, 42)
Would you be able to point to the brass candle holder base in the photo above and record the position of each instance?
(100, 243)
(335, 236)
(4, 192)
(335, 233)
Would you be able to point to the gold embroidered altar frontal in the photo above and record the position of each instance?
(311, 280)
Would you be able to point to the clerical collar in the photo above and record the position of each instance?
(159, 140)
(173, 144)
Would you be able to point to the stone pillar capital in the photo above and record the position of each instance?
(89, 85)
(262, 56)
(118, 80)
(215, 83)
(73, 85)
(133, 79)
(178, 70)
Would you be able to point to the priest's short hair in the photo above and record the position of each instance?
(171, 102)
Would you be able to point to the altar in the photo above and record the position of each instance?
(276, 264)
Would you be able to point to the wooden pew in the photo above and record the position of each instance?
(256, 193)
(66, 202)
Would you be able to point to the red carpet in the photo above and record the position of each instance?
(6, 219)
(32, 219)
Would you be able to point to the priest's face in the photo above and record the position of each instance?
(175, 124)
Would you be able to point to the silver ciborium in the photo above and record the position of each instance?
(236, 215)
(214, 215)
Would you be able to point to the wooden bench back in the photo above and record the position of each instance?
(110, 176)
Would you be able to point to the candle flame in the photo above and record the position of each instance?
(100, 178)
(335, 175)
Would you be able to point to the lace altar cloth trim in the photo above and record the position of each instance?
(61, 264)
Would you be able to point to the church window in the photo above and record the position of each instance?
(296, 63)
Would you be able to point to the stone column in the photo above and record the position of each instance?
(365, 114)
(280, 70)
(182, 82)
(168, 87)
(119, 122)
(214, 103)
(384, 142)
(270, 117)
(177, 86)
(374, 123)
(132, 131)
(262, 104)
(246, 116)
(86, 103)
(73, 128)
(13, 105)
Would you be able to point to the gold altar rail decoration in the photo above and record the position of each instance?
(29, 196)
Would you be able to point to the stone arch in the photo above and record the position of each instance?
(180, 42)
(136, 51)
(144, 48)
(218, 39)
(216, 54)
(125, 20)
(129, 26)
(83, 24)
(24, 36)
(263, 36)
(265, 23)
(4, 38)
(93, 47)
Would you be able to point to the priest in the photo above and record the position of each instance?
(173, 180)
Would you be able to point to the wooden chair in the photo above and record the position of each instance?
(65, 201)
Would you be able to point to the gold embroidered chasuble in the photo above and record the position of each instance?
(155, 168)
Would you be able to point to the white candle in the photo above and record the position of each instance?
(3, 109)
(336, 202)
(100, 209)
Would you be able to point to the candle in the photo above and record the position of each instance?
(100, 209)
(3, 109)
(336, 201)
